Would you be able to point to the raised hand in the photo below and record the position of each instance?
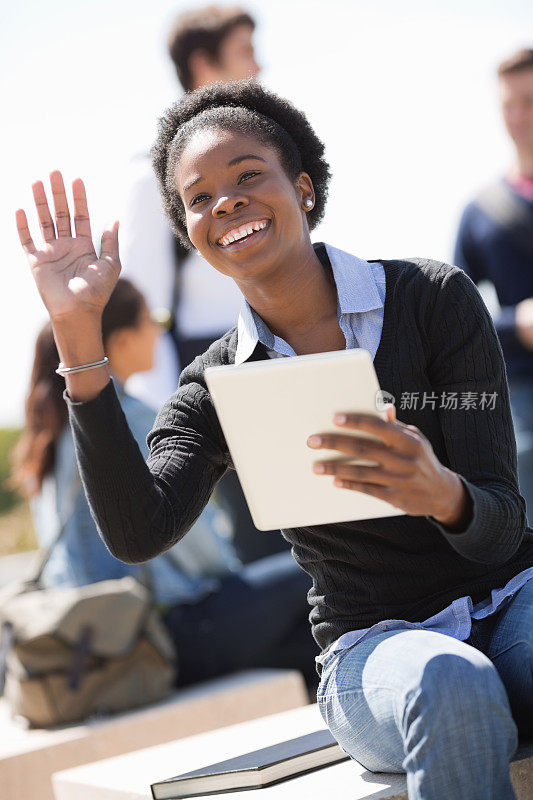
(70, 277)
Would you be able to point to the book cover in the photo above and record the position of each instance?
(255, 770)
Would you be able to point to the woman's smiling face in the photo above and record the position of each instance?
(243, 212)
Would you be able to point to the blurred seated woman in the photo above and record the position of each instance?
(45, 462)
(200, 582)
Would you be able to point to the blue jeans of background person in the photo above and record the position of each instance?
(446, 712)
(258, 617)
(521, 396)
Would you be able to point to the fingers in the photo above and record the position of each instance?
(381, 492)
(362, 474)
(351, 445)
(393, 434)
(357, 447)
(43, 212)
(110, 243)
(62, 212)
(82, 223)
(24, 232)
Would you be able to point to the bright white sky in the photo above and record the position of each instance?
(402, 93)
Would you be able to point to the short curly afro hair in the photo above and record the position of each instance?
(244, 107)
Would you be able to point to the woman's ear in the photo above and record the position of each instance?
(306, 191)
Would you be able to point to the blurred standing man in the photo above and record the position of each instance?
(495, 243)
(206, 45)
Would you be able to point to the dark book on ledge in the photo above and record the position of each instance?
(255, 770)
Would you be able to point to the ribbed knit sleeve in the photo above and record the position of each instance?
(467, 360)
(142, 509)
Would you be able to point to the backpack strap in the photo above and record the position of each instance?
(507, 210)
(73, 491)
(68, 509)
(6, 643)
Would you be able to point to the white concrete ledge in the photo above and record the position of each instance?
(28, 758)
(129, 777)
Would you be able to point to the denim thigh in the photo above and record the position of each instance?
(374, 694)
(507, 639)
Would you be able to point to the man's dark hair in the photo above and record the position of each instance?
(518, 62)
(243, 107)
(202, 29)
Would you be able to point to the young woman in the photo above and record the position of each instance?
(424, 620)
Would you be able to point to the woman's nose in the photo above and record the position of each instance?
(225, 205)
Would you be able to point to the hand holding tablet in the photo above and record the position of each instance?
(269, 409)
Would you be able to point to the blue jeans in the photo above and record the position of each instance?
(258, 617)
(446, 712)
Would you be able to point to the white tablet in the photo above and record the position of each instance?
(268, 409)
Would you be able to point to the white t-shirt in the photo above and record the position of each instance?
(209, 302)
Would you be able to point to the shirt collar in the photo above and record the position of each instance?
(356, 286)
(356, 292)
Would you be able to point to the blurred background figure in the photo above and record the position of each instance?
(495, 243)
(45, 467)
(221, 616)
(206, 45)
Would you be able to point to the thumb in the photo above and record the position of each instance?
(391, 413)
(109, 248)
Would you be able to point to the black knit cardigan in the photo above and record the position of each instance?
(437, 338)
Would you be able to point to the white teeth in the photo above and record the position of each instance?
(240, 233)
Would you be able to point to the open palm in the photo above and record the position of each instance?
(70, 277)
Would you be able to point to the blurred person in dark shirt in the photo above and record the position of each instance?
(495, 243)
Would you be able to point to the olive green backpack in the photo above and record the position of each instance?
(70, 653)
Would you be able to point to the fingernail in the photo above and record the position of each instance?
(314, 441)
(340, 419)
(319, 468)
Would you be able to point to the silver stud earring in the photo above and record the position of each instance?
(308, 203)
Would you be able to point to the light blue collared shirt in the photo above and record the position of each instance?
(361, 291)
(454, 620)
(360, 301)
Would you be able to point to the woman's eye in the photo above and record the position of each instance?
(246, 175)
(197, 199)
